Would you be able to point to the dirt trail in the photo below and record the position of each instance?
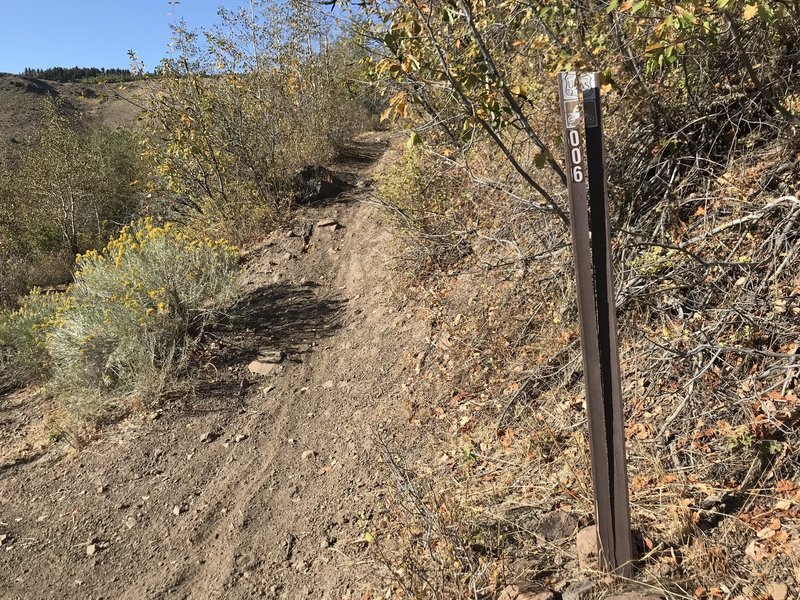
(252, 486)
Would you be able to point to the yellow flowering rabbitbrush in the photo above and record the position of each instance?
(23, 333)
(138, 304)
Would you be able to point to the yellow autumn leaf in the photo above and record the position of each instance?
(398, 98)
(383, 65)
(750, 11)
(401, 109)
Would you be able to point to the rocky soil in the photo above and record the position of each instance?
(261, 480)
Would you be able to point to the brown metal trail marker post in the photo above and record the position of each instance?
(591, 242)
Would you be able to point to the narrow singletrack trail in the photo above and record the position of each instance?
(249, 485)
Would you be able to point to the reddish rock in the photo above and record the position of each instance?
(587, 548)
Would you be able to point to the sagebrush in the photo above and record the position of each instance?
(124, 327)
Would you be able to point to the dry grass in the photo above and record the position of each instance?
(708, 292)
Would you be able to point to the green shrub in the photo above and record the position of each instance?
(136, 307)
(241, 106)
(62, 194)
(431, 201)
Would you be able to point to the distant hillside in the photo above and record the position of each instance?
(111, 104)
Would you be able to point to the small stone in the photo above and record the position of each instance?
(328, 223)
(556, 525)
(208, 437)
(267, 362)
(268, 389)
(130, 522)
(239, 437)
(778, 591)
(587, 548)
(3, 538)
(526, 591)
(579, 590)
(327, 385)
(258, 367)
(91, 549)
(308, 454)
(177, 509)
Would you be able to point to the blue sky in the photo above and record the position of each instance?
(93, 33)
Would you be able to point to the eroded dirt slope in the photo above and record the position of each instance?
(253, 486)
(110, 104)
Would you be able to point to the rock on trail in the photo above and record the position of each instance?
(208, 499)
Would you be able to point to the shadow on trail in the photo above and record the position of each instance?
(20, 462)
(353, 157)
(283, 317)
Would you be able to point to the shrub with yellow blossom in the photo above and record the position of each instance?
(23, 333)
(137, 305)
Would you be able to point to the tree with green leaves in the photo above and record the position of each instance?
(242, 105)
(692, 72)
(66, 192)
